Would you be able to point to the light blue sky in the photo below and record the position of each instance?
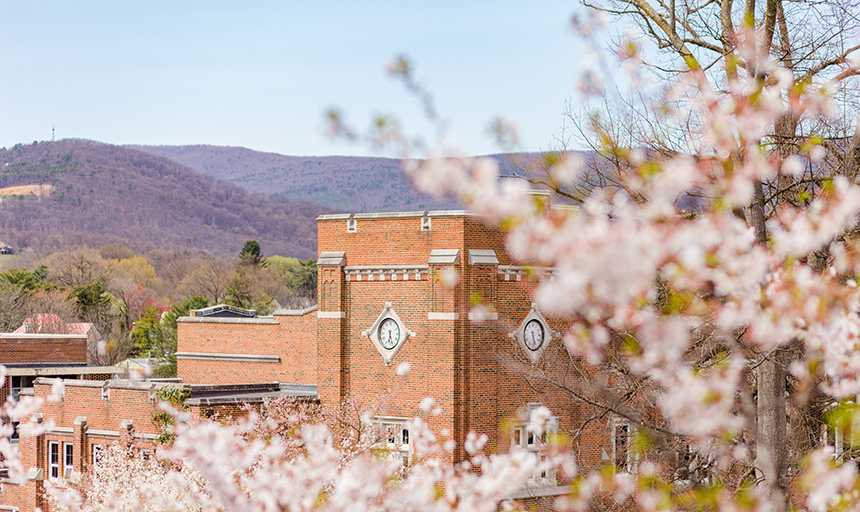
(261, 74)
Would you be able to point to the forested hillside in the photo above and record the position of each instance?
(360, 184)
(102, 193)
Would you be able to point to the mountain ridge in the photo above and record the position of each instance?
(104, 193)
(350, 183)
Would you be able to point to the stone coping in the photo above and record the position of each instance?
(397, 215)
(428, 213)
(215, 356)
(295, 312)
(40, 336)
(64, 370)
(267, 320)
(82, 364)
(107, 384)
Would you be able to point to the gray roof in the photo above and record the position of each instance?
(249, 393)
(223, 310)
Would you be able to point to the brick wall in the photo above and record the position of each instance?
(83, 419)
(479, 374)
(123, 400)
(289, 337)
(384, 241)
(37, 348)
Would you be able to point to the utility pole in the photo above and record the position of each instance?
(52, 133)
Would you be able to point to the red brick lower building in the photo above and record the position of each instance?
(94, 414)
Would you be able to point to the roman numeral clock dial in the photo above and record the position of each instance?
(533, 335)
(389, 333)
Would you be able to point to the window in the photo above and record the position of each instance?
(394, 438)
(68, 459)
(20, 383)
(526, 439)
(97, 453)
(16, 387)
(54, 459)
(622, 455)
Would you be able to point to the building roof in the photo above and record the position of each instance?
(248, 393)
(44, 370)
(50, 322)
(208, 395)
(224, 311)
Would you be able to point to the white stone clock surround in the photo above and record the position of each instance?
(548, 334)
(373, 333)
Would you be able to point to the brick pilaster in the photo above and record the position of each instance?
(79, 449)
(42, 464)
(333, 366)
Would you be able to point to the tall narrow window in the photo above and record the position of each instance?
(97, 453)
(68, 459)
(621, 438)
(54, 459)
(16, 387)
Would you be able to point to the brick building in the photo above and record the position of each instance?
(481, 348)
(51, 323)
(32, 361)
(29, 356)
(478, 346)
(94, 414)
(237, 346)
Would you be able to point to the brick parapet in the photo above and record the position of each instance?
(42, 348)
(285, 350)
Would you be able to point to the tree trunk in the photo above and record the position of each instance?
(771, 436)
(771, 425)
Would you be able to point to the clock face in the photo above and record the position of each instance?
(533, 335)
(389, 333)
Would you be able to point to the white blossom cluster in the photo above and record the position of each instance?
(214, 467)
(629, 263)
